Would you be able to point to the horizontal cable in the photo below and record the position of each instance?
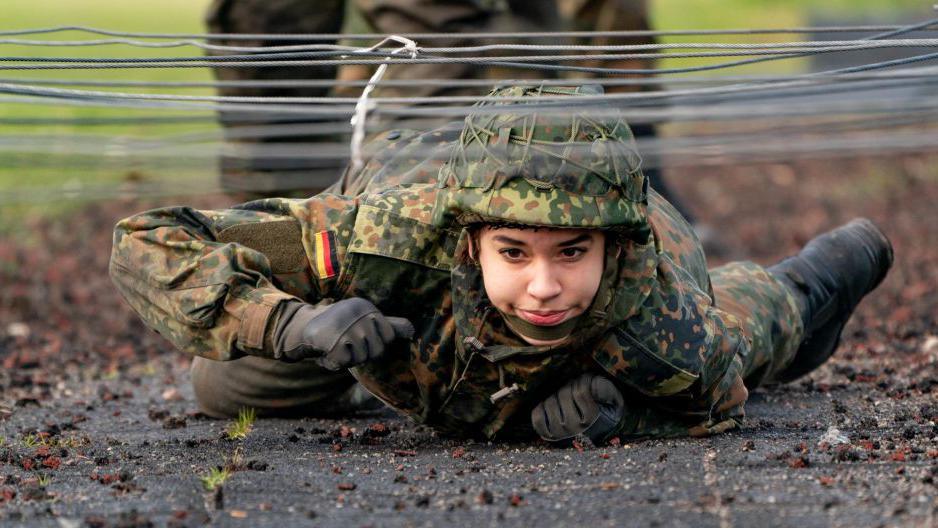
(208, 145)
(480, 61)
(670, 95)
(869, 106)
(725, 50)
(477, 35)
(909, 73)
(334, 50)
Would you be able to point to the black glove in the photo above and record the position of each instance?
(341, 335)
(590, 405)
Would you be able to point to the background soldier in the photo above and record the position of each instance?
(255, 169)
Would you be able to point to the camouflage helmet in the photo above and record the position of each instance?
(533, 161)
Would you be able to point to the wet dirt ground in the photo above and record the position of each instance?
(98, 426)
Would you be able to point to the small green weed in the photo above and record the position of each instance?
(215, 478)
(239, 429)
(32, 440)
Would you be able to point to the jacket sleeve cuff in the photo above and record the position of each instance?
(258, 320)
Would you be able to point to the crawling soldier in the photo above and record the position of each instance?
(511, 273)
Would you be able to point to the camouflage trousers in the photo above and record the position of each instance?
(256, 163)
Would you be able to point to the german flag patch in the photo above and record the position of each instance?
(327, 262)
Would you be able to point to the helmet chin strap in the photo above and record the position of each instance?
(541, 333)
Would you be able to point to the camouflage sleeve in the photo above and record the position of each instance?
(682, 355)
(212, 281)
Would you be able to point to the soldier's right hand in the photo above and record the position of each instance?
(590, 406)
(341, 335)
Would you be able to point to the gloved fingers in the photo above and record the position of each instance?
(605, 392)
(328, 362)
(554, 415)
(353, 341)
(572, 417)
(374, 347)
(584, 401)
(384, 329)
(357, 305)
(360, 351)
(352, 311)
(539, 421)
(403, 328)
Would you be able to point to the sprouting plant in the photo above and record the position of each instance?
(235, 461)
(31, 440)
(149, 369)
(241, 426)
(215, 478)
(44, 480)
(3, 441)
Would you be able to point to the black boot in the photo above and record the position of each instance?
(829, 277)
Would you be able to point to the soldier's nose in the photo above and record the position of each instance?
(543, 283)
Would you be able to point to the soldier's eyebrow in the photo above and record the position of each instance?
(576, 240)
(506, 240)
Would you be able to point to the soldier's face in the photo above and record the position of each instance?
(545, 277)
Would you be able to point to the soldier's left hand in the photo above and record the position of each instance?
(590, 405)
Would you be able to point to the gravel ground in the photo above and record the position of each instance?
(98, 426)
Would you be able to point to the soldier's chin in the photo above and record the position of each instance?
(542, 342)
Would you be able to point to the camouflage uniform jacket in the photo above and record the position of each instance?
(211, 283)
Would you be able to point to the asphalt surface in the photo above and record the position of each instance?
(131, 451)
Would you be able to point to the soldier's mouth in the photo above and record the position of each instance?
(543, 317)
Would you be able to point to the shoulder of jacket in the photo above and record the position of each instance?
(396, 223)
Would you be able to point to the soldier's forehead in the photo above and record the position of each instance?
(541, 231)
(533, 227)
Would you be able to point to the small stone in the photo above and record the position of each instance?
(485, 497)
(174, 422)
(18, 329)
(833, 437)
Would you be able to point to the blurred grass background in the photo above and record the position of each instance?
(24, 168)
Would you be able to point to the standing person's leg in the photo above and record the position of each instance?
(622, 15)
(455, 17)
(254, 166)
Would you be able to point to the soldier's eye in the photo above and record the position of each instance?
(572, 253)
(511, 253)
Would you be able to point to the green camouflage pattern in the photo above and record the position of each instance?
(558, 166)
(677, 340)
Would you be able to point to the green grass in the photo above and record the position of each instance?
(241, 426)
(729, 14)
(214, 478)
(32, 171)
(32, 440)
(171, 16)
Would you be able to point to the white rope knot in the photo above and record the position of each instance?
(364, 104)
